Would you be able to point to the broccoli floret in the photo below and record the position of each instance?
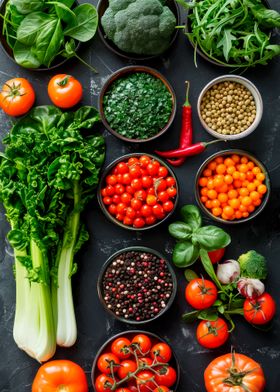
(253, 265)
(139, 26)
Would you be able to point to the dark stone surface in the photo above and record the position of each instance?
(94, 325)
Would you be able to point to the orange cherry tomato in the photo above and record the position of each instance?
(59, 375)
(65, 91)
(17, 97)
(239, 369)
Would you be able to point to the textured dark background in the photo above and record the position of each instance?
(94, 325)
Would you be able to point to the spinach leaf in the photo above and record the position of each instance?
(191, 216)
(64, 13)
(185, 254)
(27, 6)
(48, 42)
(180, 230)
(68, 3)
(31, 25)
(87, 22)
(24, 56)
(211, 238)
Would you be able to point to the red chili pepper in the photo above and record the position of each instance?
(186, 130)
(194, 149)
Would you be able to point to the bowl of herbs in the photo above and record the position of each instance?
(137, 104)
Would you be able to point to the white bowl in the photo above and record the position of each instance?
(258, 102)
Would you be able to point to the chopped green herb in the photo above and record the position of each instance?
(138, 106)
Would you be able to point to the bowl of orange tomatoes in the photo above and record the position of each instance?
(232, 186)
(135, 361)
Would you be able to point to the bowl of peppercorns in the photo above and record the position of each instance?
(230, 107)
(137, 285)
(138, 191)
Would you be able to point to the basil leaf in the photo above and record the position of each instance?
(24, 56)
(211, 237)
(191, 316)
(87, 22)
(180, 230)
(208, 314)
(185, 254)
(190, 275)
(191, 216)
(208, 266)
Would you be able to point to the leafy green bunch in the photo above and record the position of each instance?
(234, 33)
(191, 237)
(38, 30)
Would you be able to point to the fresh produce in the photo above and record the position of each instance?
(235, 36)
(146, 367)
(145, 287)
(17, 97)
(228, 271)
(250, 288)
(201, 293)
(253, 265)
(137, 105)
(191, 236)
(260, 310)
(186, 128)
(38, 32)
(60, 375)
(189, 151)
(65, 91)
(232, 186)
(212, 334)
(139, 191)
(48, 173)
(234, 372)
(228, 108)
(216, 255)
(123, 24)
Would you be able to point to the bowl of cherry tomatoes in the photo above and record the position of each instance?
(138, 191)
(232, 186)
(135, 361)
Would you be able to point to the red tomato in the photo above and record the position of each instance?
(104, 363)
(126, 367)
(107, 200)
(136, 184)
(145, 381)
(17, 97)
(55, 375)
(65, 91)
(161, 388)
(160, 185)
(146, 360)
(133, 161)
(136, 204)
(201, 293)
(260, 310)
(171, 191)
(168, 206)
(163, 196)
(135, 171)
(121, 348)
(152, 168)
(127, 221)
(144, 160)
(170, 181)
(162, 352)
(146, 210)
(151, 200)
(111, 179)
(212, 334)
(116, 199)
(126, 179)
(147, 181)
(103, 383)
(112, 209)
(141, 195)
(142, 344)
(162, 171)
(122, 168)
(126, 198)
(216, 255)
(151, 220)
(130, 212)
(110, 190)
(123, 390)
(158, 210)
(119, 189)
(166, 376)
(138, 223)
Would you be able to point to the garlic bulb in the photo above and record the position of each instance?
(228, 271)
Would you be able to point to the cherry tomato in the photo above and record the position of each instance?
(136, 184)
(141, 195)
(119, 178)
(151, 191)
(152, 168)
(129, 189)
(151, 200)
(147, 181)
(121, 348)
(127, 221)
(60, 374)
(130, 212)
(144, 160)
(120, 217)
(107, 200)
(112, 209)
(111, 179)
(216, 255)
(123, 390)
(65, 91)
(116, 199)
(166, 376)
(139, 223)
(158, 210)
(162, 171)
(168, 206)
(126, 179)
(160, 185)
(126, 367)
(146, 210)
(103, 383)
(171, 191)
(150, 220)
(163, 196)
(260, 310)
(201, 293)
(145, 361)
(110, 190)
(161, 388)
(121, 208)
(122, 168)
(104, 363)
(170, 181)
(119, 189)
(17, 97)
(212, 334)
(136, 204)
(142, 344)
(135, 171)
(126, 198)
(162, 352)
(145, 381)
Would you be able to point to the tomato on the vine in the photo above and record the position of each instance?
(126, 367)
(121, 348)
(103, 383)
(142, 344)
(146, 360)
(123, 390)
(260, 310)
(161, 388)
(212, 334)
(166, 376)
(145, 381)
(201, 293)
(162, 352)
(106, 363)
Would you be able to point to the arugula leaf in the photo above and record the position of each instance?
(226, 43)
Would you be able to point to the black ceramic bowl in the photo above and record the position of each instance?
(251, 157)
(102, 184)
(101, 8)
(109, 262)
(124, 72)
(9, 52)
(200, 52)
(130, 335)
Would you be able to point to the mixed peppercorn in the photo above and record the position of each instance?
(137, 285)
